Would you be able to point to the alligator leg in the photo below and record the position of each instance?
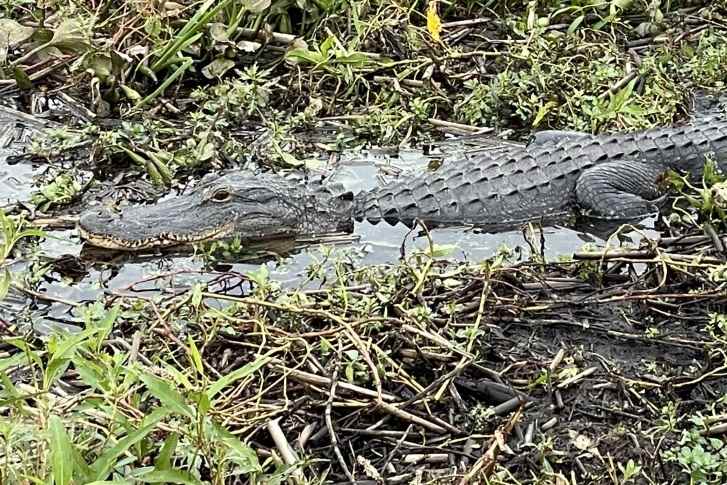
(619, 189)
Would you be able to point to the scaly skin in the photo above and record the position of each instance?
(559, 173)
(596, 173)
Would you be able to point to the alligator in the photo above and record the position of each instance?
(556, 174)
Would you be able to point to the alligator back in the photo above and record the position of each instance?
(525, 183)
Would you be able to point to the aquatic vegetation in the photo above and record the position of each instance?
(593, 67)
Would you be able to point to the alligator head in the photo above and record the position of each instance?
(252, 206)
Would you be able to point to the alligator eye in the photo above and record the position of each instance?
(222, 195)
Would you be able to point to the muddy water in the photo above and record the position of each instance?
(150, 275)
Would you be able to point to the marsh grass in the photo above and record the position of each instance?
(499, 371)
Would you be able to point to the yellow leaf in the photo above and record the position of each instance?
(434, 23)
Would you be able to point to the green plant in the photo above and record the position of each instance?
(703, 459)
(12, 230)
(630, 471)
(705, 202)
(113, 448)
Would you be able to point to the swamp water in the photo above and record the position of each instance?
(167, 274)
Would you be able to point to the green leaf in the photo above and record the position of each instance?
(5, 280)
(205, 151)
(81, 471)
(255, 6)
(244, 457)
(164, 460)
(197, 290)
(69, 35)
(27, 354)
(290, 159)
(62, 354)
(106, 324)
(111, 482)
(261, 277)
(441, 250)
(8, 389)
(203, 404)
(619, 100)
(543, 111)
(180, 379)
(130, 93)
(619, 5)
(105, 463)
(195, 356)
(101, 65)
(61, 452)
(168, 80)
(327, 45)
(22, 80)
(90, 373)
(576, 23)
(169, 476)
(169, 397)
(356, 59)
(712, 175)
(233, 376)
(304, 55)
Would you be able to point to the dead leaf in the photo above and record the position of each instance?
(172, 9)
(248, 46)
(12, 33)
(581, 441)
(217, 68)
(218, 32)
(69, 35)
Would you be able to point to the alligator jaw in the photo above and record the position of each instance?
(162, 240)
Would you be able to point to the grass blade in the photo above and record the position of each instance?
(243, 371)
(167, 82)
(61, 452)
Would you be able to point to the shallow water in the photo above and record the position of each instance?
(16, 176)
